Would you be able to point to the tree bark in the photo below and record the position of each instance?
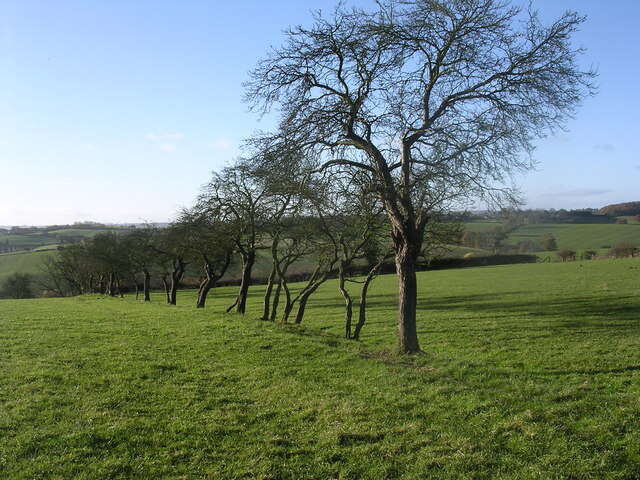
(406, 258)
(266, 303)
(348, 313)
(176, 277)
(146, 286)
(248, 260)
(111, 288)
(167, 290)
(206, 285)
(276, 301)
(362, 309)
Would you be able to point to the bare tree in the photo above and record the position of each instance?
(172, 248)
(437, 100)
(236, 198)
(142, 257)
(209, 243)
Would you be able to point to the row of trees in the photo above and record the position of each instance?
(327, 221)
(418, 107)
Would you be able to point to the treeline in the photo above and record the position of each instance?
(328, 221)
(621, 209)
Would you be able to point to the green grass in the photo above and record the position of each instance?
(530, 371)
(483, 226)
(27, 241)
(79, 232)
(23, 262)
(580, 236)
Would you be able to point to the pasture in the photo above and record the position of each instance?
(23, 262)
(529, 371)
(580, 236)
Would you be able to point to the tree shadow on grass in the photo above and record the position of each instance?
(620, 311)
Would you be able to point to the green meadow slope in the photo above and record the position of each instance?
(23, 262)
(580, 236)
(529, 371)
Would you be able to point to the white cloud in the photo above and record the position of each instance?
(221, 143)
(167, 147)
(159, 137)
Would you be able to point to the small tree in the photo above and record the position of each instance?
(239, 201)
(142, 257)
(210, 243)
(567, 255)
(624, 250)
(172, 248)
(588, 255)
(17, 286)
(549, 243)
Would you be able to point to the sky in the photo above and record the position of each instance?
(118, 111)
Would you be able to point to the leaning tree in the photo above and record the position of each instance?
(234, 196)
(438, 100)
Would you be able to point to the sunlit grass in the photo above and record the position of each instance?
(529, 371)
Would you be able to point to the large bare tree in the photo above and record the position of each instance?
(438, 100)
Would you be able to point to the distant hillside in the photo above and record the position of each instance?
(621, 209)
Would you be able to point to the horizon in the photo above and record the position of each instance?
(117, 113)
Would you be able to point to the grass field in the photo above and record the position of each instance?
(22, 262)
(580, 236)
(529, 371)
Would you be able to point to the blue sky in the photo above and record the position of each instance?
(118, 111)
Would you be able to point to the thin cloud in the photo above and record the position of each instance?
(221, 143)
(604, 147)
(160, 137)
(165, 141)
(579, 193)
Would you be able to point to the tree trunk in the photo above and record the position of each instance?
(348, 302)
(362, 309)
(112, 285)
(276, 301)
(203, 291)
(287, 312)
(248, 261)
(173, 291)
(266, 304)
(146, 286)
(167, 290)
(406, 257)
(302, 305)
(176, 277)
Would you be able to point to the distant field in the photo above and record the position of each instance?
(483, 226)
(579, 236)
(27, 241)
(530, 371)
(38, 239)
(22, 262)
(79, 232)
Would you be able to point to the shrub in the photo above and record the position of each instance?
(623, 250)
(588, 255)
(622, 221)
(549, 243)
(567, 255)
(17, 286)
